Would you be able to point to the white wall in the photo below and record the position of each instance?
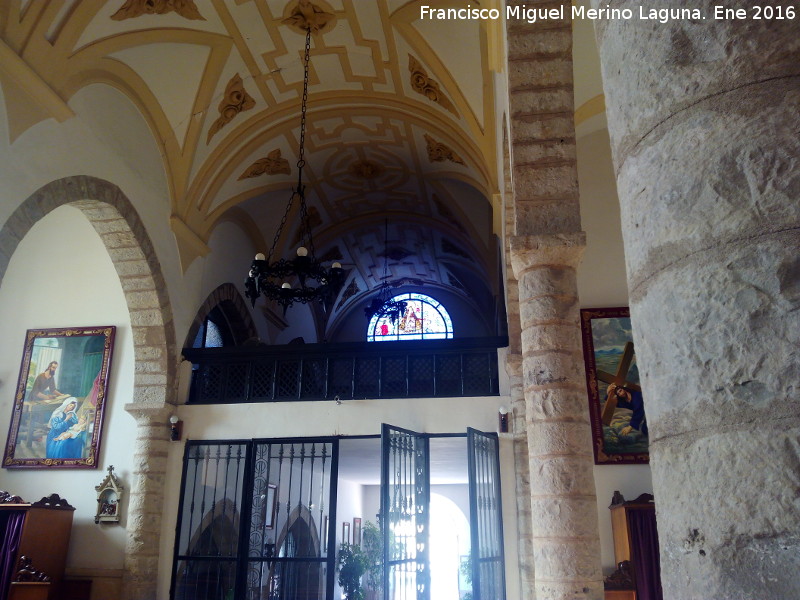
(602, 283)
(62, 276)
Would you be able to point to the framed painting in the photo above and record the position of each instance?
(271, 506)
(60, 398)
(346, 532)
(616, 406)
(356, 531)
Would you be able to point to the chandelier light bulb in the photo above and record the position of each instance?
(260, 256)
(336, 265)
(301, 251)
(286, 285)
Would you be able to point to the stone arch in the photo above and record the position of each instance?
(131, 251)
(228, 298)
(117, 223)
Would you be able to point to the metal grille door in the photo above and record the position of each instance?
(207, 545)
(488, 577)
(290, 551)
(405, 490)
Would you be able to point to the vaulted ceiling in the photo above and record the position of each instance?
(401, 120)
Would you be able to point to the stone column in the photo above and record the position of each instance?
(518, 427)
(563, 502)
(704, 120)
(545, 249)
(146, 500)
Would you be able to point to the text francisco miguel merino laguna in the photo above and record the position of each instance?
(531, 15)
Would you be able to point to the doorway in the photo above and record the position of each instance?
(289, 505)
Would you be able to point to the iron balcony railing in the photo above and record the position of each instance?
(418, 369)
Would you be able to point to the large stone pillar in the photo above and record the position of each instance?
(564, 507)
(545, 249)
(704, 116)
(146, 500)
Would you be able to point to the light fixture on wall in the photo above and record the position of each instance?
(383, 305)
(502, 416)
(273, 278)
(175, 428)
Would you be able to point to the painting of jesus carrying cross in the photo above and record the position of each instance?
(616, 406)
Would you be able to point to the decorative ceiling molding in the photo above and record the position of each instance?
(314, 221)
(422, 84)
(136, 8)
(333, 254)
(396, 253)
(406, 281)
(350, 291)
(439, 152)
(272, 164)
(444, 210)
(449, 247)
(236, 100)
(305, 16)
(365, 169)
(453, 280)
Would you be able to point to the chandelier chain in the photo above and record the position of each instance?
(306, 227)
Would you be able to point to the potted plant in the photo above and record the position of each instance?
(351, 565)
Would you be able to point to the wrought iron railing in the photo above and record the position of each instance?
(430, 368)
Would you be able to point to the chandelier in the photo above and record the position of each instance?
(383, 305)
(273, 278)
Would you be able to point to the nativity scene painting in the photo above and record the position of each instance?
(616, 405)
(60, 398)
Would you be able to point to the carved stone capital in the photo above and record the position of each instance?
(149, 413)
(559, 249)
(514, 364)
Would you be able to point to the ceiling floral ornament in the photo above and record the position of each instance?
(236, 100)
(272, 164)
(136, 8)
(307, 16)
(426, 86)
(365, 169)
(439, 152)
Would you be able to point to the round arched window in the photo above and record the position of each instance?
(423, 319)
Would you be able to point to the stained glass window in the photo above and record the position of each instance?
(424, 319)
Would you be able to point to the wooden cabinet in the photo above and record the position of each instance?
(40, 532)
(635, 549)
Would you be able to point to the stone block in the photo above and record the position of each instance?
(564, 517)
(567, 560)
(545, 309)
(129, 253)
(550, 126)
(144, 282)
(546, 152)
(129, 268)
(554, 369)
(146, 318)
(551, 43)
(547, 216)
(551, 438)
(545, 182)
(562, 476)
(558, 404)
(539, 72)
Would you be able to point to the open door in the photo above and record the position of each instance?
(405, 493)
(488, 575)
